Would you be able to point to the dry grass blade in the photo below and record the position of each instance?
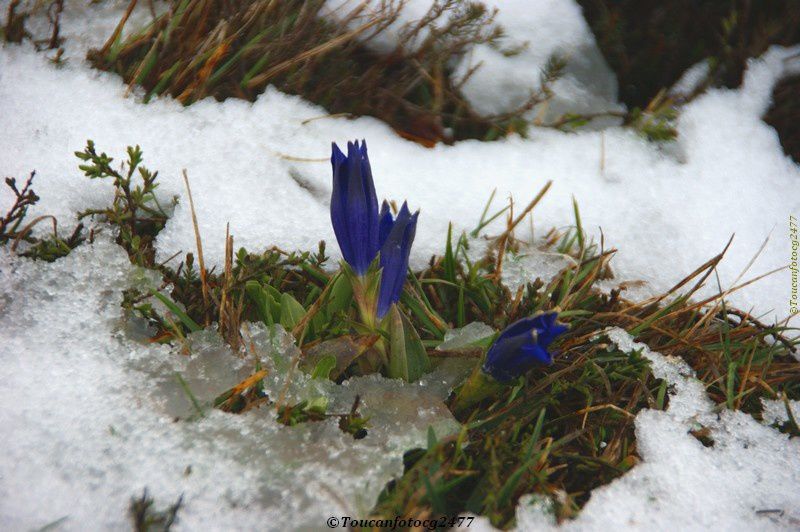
(706, 269)
(527, 210)
(118, 29)
(229, 314)
(29, 227)
(503, 239)
(199, 243)
(308, 54)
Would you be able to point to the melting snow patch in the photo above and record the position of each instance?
(89, 416)
(536, 30)
(748, 479)
(466, 336)
(523, 268)
(93, 416)
(545, 29)
(774, 411)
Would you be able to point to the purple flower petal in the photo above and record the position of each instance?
(521, 346)
(354, 206)
(394, 256)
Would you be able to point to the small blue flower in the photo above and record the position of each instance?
(395, 236)
(354, 206)
(361, 231)
(522, 345)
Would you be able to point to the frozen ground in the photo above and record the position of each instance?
(94, 419)
(90, 422)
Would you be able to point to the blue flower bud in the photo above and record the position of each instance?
(521, 346)
(395, 235)
(361, 231)
(354, 206)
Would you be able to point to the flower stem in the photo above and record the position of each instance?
(476, 388)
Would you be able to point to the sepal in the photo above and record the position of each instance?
(365, 291)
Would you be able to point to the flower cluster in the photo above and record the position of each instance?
(376, 246)
(364, 233)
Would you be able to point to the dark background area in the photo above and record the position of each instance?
(650, 43)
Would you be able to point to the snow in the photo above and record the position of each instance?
(90, 421)
(537, 30)
(774, 411)
(748, 480)
(691, 80)
(525, 266)
(547, 28)
(666, 209)
(94, 419)
(465, 336)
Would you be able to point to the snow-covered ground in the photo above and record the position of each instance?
(667, 209)
(90, 418)
(747, 480)
(87, 416)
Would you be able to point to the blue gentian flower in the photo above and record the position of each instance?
(354, 206)
(362, 231)
(521, 346)
(395, 236)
